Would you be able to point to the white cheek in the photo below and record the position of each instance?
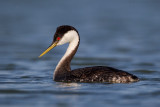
(68, 37)
(63, 41)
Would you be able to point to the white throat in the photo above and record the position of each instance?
(72, 38)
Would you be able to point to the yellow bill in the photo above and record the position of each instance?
(49, 48)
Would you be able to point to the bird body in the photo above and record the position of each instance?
(63, 73)
(96, 74)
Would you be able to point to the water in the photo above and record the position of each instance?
(122, 34)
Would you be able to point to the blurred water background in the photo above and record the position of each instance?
(124, 34)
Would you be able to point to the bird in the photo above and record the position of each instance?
(97, 74)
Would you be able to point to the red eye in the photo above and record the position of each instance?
(58, 38)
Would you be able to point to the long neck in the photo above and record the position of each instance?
(64, 64)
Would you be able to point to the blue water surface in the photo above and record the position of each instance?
(124, 34)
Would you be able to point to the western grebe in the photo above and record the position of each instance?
(63, 73)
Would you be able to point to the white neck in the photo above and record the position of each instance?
(72, 38)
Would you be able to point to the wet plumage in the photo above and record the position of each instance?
(97, 74)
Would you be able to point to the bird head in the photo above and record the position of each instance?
(64, 34)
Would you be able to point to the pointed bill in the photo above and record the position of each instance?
(49, 48)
